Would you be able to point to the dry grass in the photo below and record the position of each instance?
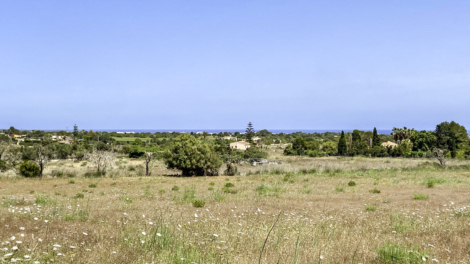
(142, 220)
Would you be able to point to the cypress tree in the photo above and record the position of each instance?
(342, 147)
(375, 138)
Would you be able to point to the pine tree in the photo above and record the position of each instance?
(375, 139)
(250, 133)
(342, 147)
(75, 131)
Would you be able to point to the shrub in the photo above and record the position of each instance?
(92, 185)
(228, 190)
(198, 203)
(211, 183)
(420, 197)
(229, 184)
(175, 188)
(351, 183)
(71, 182)
(210, 188)
(371, 208)
(392, 253)
(29, 169)
(339, 189)
(375, 191)
(430, 183)
(161, 191)
(79, 196)
(3, 165)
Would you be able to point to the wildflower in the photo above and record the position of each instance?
(19, 242)
(59, 254)
(72, 247)
(8, 255)
(36, 218)
(143, 233)
(57, 245)
(14, 248)
(88, 249)
(21, 228)
(40, 239)
(423, 258)
(195, 215)
(13, 238)
(114, 252)
(141, 241)
(435, 260)
(150, 223)
(216, 235)
(158, 234)
(85, 234)
(22, 235)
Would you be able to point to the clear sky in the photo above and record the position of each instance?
(220, 64)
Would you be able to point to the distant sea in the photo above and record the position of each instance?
(275, 131)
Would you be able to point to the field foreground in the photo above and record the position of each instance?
(390, 214)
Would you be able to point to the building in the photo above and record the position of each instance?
(229, 138)
(240, 145)
(256, 140)
(389, 144)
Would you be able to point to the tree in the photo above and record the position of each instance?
(192, 156)
(148, 159)
(423, 141)
(101, 159)
(356, 136)
(440, 156)
(250, 133)
(42, 158)
(444, 132)
(375, 138)
(205, 135)
(75, 131)
(400, 134)
(342, 147)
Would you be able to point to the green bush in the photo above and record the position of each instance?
(71, 182)
(198, 203)
(29, 169)
(3, 165)
(175, 188)
(375, 191)
(351, 183)
(92, 185)
(229, 184)
(211, 183)
(371, 208)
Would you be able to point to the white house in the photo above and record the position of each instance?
(239, 145)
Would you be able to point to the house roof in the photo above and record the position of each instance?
(240, 142)
(389, 144)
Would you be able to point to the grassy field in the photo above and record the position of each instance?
(305, 210)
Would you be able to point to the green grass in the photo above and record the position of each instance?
(371, 208)
(397, 254)
(375, 191)
(198, 203)
(420, 197)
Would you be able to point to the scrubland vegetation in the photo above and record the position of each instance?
(397, 211)
(316, 199)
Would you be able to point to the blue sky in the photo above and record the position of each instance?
(220, 64)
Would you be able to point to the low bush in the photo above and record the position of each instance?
(351, 183)
(175, 188)
(198, 203)
(375, 191)
(79, 196)
(371, 208)
(29, 169)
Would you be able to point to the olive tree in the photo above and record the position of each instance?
(192, 156)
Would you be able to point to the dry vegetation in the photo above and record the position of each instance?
(396, 211)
